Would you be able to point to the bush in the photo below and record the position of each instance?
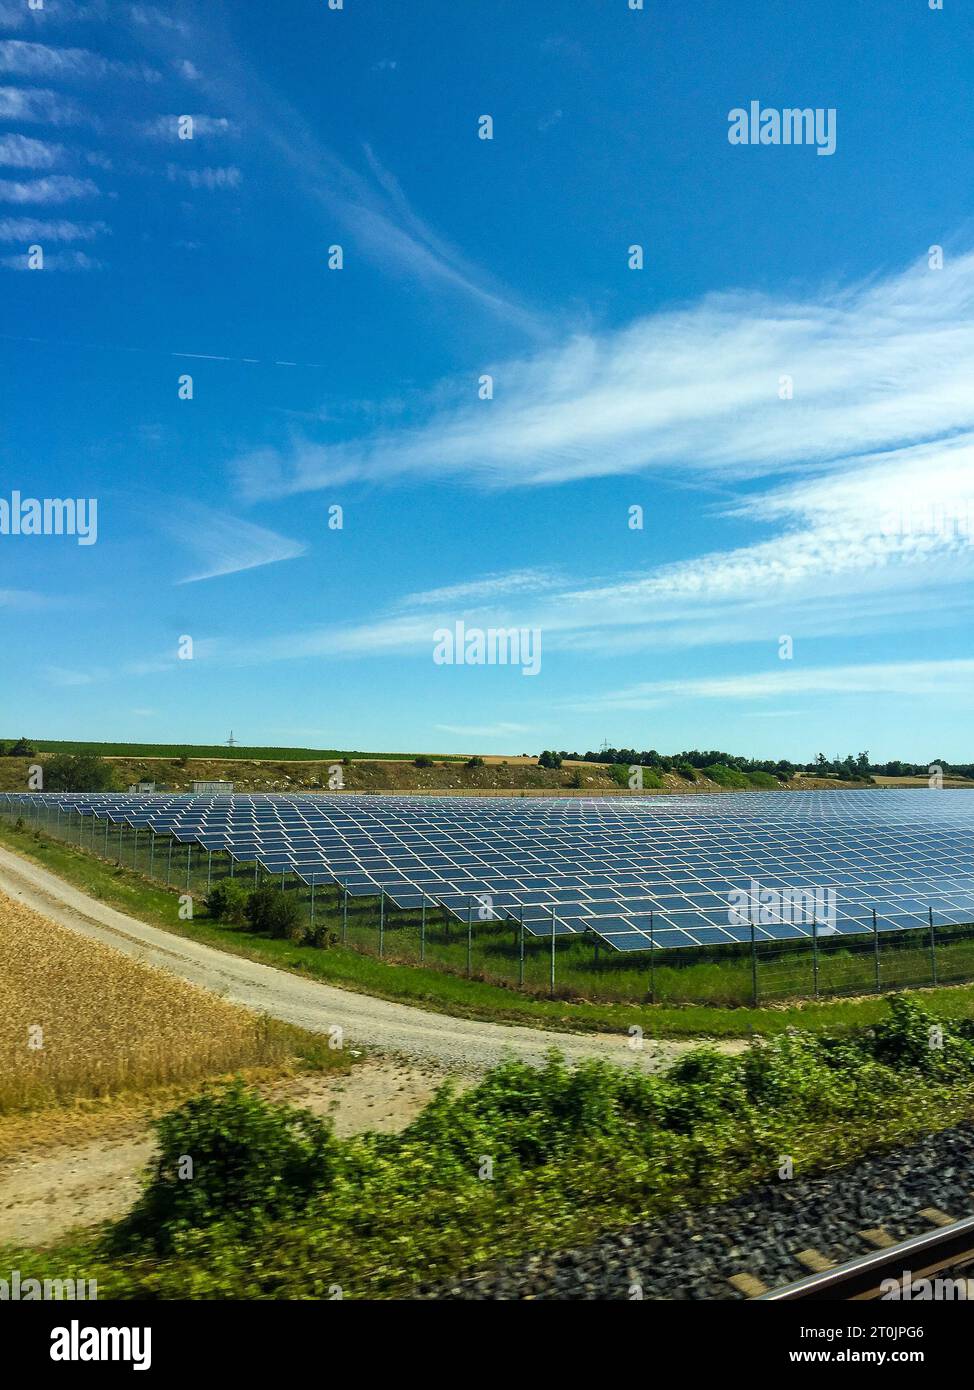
(576, 1151)
(78, 772)
(765, 780)
(726, 776)
(474, 762)
(21, 749)
(687, 771)
(423, 762)
(276, 912)
(549, 759)
(250, 1160)
(227, 902)
(319, 936)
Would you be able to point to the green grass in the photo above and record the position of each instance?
(279, 1207)
(442, 992)
(218, 750)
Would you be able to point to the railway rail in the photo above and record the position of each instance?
(949, 1245)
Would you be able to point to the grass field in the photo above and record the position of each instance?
(451, 993)
(78, 1019)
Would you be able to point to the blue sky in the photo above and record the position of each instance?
(839, 517)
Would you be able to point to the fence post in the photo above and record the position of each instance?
(169, 863)
(189, 861)
(345, 913)
(209, 869)
(422, 931)
(520, 958)
(382, 918)
(469, 938)
(652, 961)
(551, 985)
(152, 851)
(754, 963)
(815, 954)
(135, 851)
(933, 948)
(879, 986)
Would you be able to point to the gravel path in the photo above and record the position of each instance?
(691, 1255)
(466, 1045)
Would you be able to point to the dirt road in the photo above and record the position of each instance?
(464, 1045)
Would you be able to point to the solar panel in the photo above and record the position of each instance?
(627, 869)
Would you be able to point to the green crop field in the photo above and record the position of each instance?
(219, 750)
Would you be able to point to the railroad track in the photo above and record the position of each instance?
(948, 1245)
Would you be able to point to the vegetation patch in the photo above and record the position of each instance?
(528, 1160)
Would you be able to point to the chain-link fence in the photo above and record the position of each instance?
(567, 965)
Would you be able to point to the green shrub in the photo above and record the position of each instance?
(764, 780)
(227, 901)
(227, 1155)
(78, 772)
(423, 762)
(687, 771)
(277, 1208)
(276, 912)
(474, 762)
(726, 776)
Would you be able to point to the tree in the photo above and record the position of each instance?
(549, 759)
(78, 772)
(22, 749)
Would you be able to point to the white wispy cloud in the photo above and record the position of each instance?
(54, 188)
(29, 229)
(40, 106)
(66, 677)
(693, 391)
(368, 211)
(24, 152)
(23, 599)
(60, 260)
(226, 544)
(497, 730)
(15, 14)
(485, 589)
(943, 679)
(23, 59)
(152, 15)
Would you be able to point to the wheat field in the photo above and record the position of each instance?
(78, 1019)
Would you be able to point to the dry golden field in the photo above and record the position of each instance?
(78, 1019)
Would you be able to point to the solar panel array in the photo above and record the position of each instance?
(598, 865)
